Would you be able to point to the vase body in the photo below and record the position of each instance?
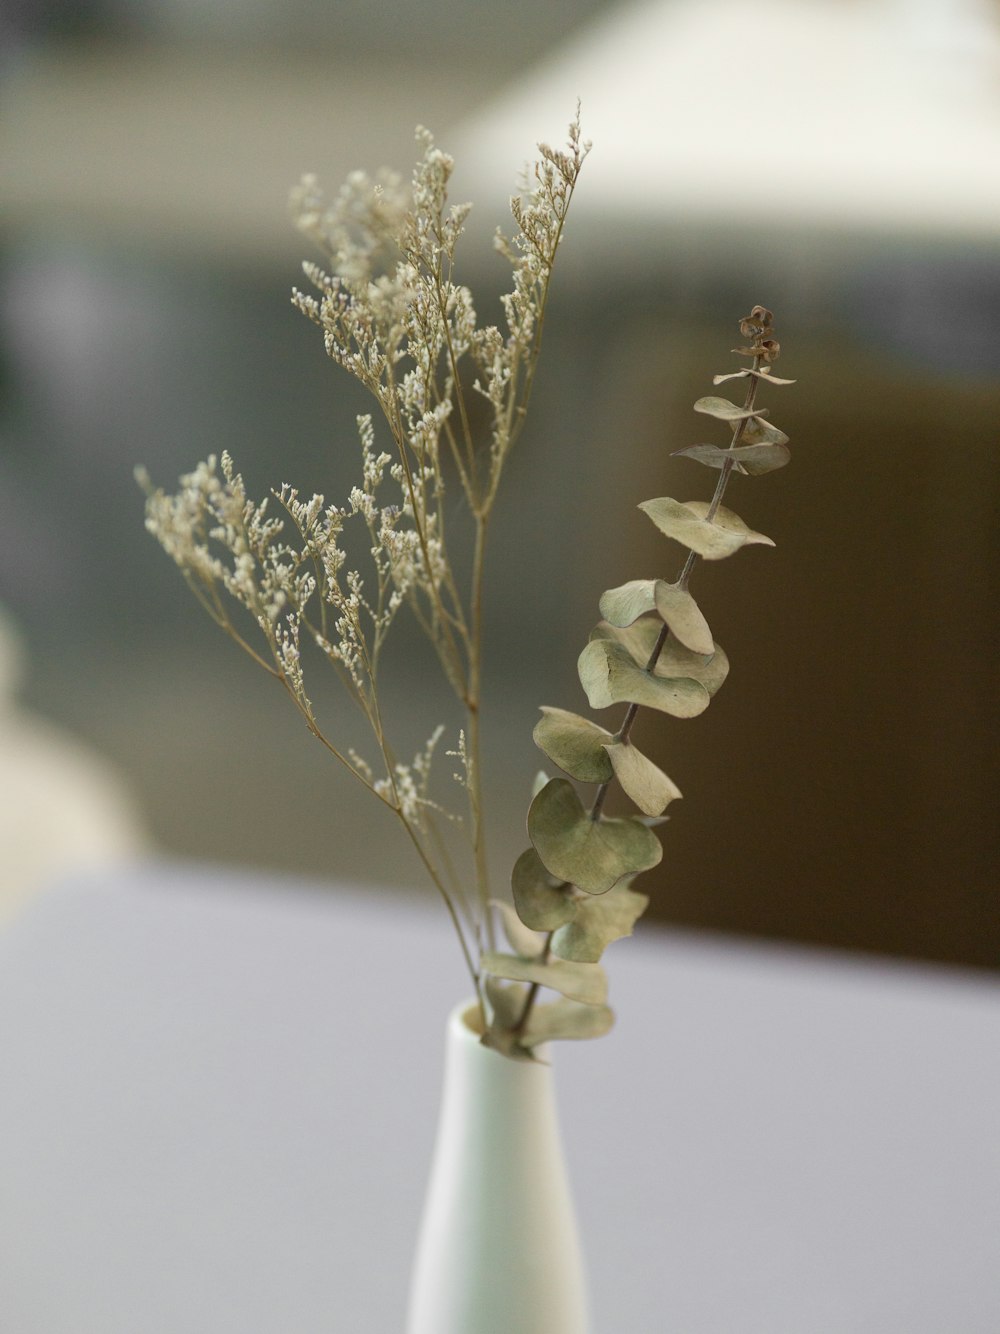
(498, 1250)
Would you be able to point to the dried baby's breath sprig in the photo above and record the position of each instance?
(572, 888)
(296, 580)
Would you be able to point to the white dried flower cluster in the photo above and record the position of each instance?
(462, 755)
(392, 315)
(408, 785)
(327, 580)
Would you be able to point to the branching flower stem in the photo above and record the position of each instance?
(442, 889)
(517, 408)
(393, 317)
(475, 736)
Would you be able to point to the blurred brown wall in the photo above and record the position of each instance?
(841, 788)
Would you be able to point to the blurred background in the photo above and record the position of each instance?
(835, 162)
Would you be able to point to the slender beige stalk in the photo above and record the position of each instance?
(474, 709)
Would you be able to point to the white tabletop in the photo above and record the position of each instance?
(219, 1097)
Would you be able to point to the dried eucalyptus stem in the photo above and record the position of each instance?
(653, 649)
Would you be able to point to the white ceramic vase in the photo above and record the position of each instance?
(498, 1250)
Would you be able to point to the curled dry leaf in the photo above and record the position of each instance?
(728, 522)
(609, 675)
(675, 660)
(757, 432)
(575, 744)
(584, 982)
(641, 780)
(599, 922)
(566, 1019)
(712, 541)
(527, 944)
(724, 410)
(621, 606)
(751, 460)
(591, 854)
(684, 617)
(541, 904)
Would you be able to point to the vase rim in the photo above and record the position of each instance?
(467, 1017)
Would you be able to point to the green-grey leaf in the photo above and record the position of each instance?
(540, 904)
(751, 460)
(598, 923)
(765, 375)
(757, 432)
(574, 743)
(649, 787)
(621, 606)
(584, 982)
(539, 781)
(756, 460)
(522, 940)
(609, 676)
(711, 540)
(675, 661)
(680, 611)
(639, 638)
(726, 411)
(592, 854)
(566, 1019)
(708, 669)
(728, 521)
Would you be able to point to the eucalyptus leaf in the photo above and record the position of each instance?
(757, 432)
(756, 460)
(639, 638)
(641, 780)
(621, 606)
(726, 411)
(708, 669)
(584, 982)
(539, 781)
(575, 744)
(675, 661)
(751, 460)
(680, 611)
(566, 1019)
(592, 854)
(711, 540)
(598, 923)
(729, 522)
(712, 456)
(540, 904)
(609, 676)
(763, 374)
(522, 940)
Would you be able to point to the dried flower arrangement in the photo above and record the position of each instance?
(393, 316)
